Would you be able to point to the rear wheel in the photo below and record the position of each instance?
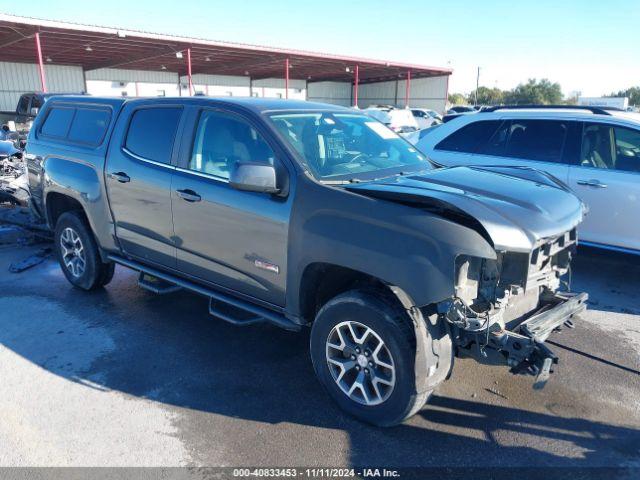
(363, 351)
(78, 253)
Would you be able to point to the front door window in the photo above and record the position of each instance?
(222, 141)
(610, 147)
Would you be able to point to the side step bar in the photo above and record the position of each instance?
(256, 313)
(231, 314)
(156, 285)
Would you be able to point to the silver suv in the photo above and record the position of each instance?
(595, 151)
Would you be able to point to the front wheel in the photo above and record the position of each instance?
(363, 352)
(78, 253)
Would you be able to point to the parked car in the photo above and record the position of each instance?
(426, 118)
(305, 214)
(461, 109)
(414, 137)
(400, 120)
(595, 151)
(29, 104)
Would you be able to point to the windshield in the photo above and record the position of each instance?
(348, 146)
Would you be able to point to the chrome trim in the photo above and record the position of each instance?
(592, 183)
(142, 159)
(202, 174)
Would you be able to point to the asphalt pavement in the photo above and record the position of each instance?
(122, 377)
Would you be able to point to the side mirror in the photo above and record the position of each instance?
(254, 177)
(34, 111)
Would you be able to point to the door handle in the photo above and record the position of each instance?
(189, 195)
(592, 183)
(120, 176)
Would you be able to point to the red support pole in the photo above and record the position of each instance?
(407, 90)
(446, 96)
(189, 71)
(355, 87)
(286, 78)
(43, 81)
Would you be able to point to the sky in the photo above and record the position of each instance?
(588, 46)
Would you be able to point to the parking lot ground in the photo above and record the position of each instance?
(120, 377)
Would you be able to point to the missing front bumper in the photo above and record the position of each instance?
(523, 347)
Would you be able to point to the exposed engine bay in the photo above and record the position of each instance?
(512, 304)
(14, 185)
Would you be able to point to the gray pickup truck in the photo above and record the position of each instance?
(305, 214)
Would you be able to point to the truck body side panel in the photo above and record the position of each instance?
(72, 169)
(81, 181)
(409, 248)
(233, 238)
(141, 206)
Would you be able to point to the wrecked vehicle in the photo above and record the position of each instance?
(29, 104)
(304, 214)
(14, 185)
(26, 110)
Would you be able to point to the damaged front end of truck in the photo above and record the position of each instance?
(504, 309)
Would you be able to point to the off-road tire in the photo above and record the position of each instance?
(388, 319)
(95, 273)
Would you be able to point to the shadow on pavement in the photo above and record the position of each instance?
(167, 349)
(611, 278)
(176, 355)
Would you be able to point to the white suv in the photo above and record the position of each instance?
(400, 120)
(595, 151)
(425, 117)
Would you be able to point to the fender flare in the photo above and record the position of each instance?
(434, 347)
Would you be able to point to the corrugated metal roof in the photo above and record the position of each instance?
(94, 47)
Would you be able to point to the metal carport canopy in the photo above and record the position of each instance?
(93, 47)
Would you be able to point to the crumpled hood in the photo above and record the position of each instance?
(517, 207)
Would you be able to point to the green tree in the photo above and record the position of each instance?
(571, 100)
(488, 96)
(457, 99)
(633, 93)
(542, 92)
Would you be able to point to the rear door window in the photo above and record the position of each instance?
(58, 122)
(152, 131)
(540, 140)
(89, 125)
(470, 137)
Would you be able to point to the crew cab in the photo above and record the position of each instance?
(310, 215)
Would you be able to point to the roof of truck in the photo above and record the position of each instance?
(267, 104)
(251, 103)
